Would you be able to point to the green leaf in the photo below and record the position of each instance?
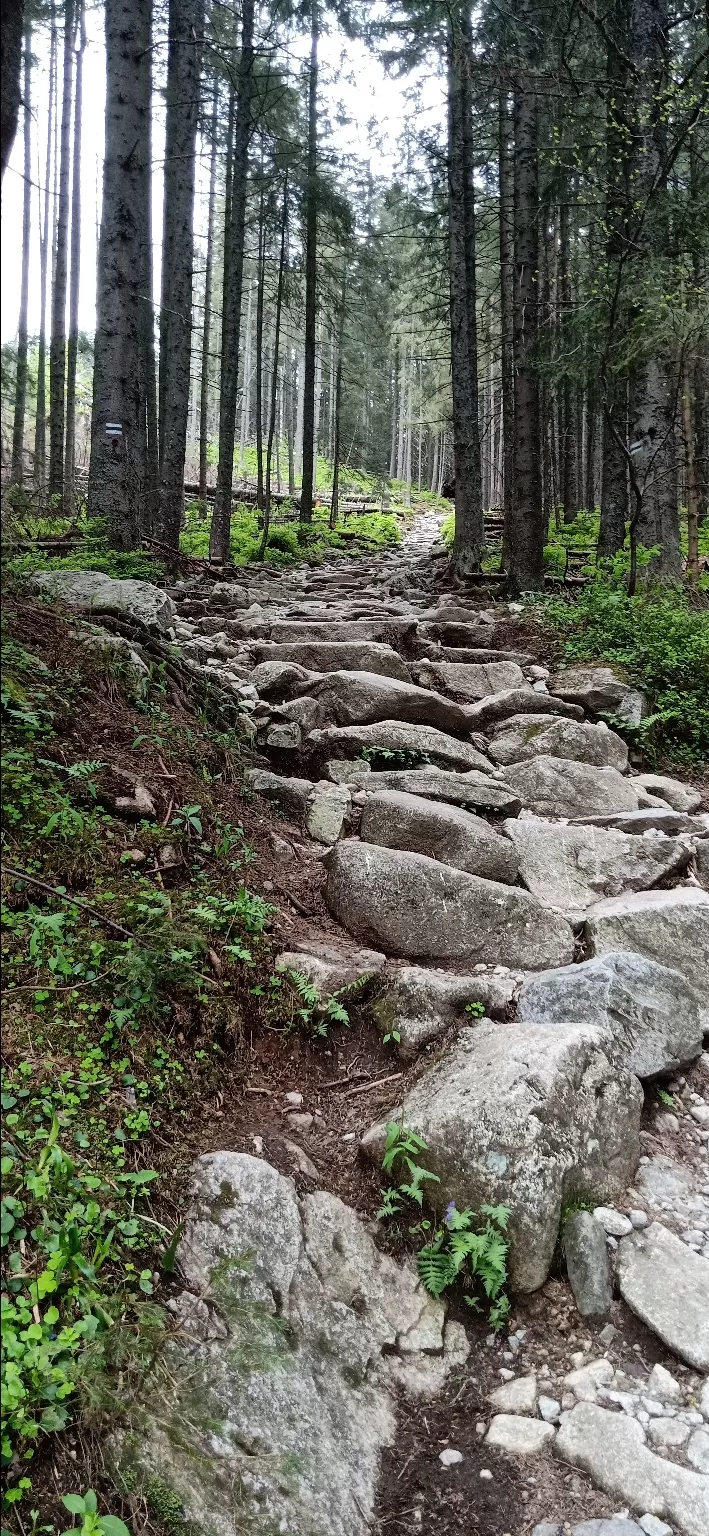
(74, 1503)
(90, 1501)
(112, 1526)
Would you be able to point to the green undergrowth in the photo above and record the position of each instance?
(659, 639)
(133, 950)
(354, 535)
(467, 1248)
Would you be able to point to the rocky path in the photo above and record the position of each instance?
(479, 836)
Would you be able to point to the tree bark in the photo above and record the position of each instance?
(469, 538)
(185, 20)
(260, 286)
(569, 445)
(72, 350)
(311, 234)
(231, 301)
(525, 545)
(118, 467)
(11, 75)
(57, 342)
(506, 191)
(207, 315)
(18, 425)
(274, 375)
(40, 437)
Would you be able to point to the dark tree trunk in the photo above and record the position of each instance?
(469, 540)
(72, 350)
(569, 445)
(292, 406)
(307, 487)
(182, 116)
(337, 433)
(526, 539)
(614, 466)
(11, 74)
(40, 437)
(57, 342)
(506, 329)
(117, 474)
(260, 286)
(274, 376)
(231, 300)
(207, 316)
(18, 426)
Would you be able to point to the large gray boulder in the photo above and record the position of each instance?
(473, 789)
(400, 736)
(555, 786)
(279, 1425)
(611, 1448)
(652, 1012)
(342, 655)
(517, 701)
(668, 1287)
(600, 692)
(571, 868)
(92, 590)
(671, 927)
(587, 1265)
(415, 907)
(520, 1115)
(445, 832)
(363, 698)
(523, 737)
(419, 1004)
(647, 819)
(467, 683)
(388, 628)
(291, 794)
(278, 680)
(680, 797)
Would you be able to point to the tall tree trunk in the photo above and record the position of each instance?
(231, 302)
(57, 343)
(185, 22)
(117, 472)
(18, 426)
(207, 315)
(469, 539)
(246, 381)
(260, 285)
(11, 75)
(40, 438)
(526, 540)
(274, 375)
(569, 445)
(337, 435)
(506, 190)
(292, 388)
(72, 350)
(692, 494)
(311, 234)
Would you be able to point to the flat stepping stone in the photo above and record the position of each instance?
(405, 736)
(634, 823)
(474, 789)
(521, 1437)
(556, 787)
(523, 737)
(518, 701)
(667, 1285)
(412, 906)
(364, 698)
(572, 868)
(611, 1448)
(393, 819)
(671, 927)
(342, 655)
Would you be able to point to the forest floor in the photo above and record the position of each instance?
(144, 1070)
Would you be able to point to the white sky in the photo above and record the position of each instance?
(375, 106)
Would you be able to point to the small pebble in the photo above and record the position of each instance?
(480, 1428)
(450, 1458)
(295, 1099)
(486, 1475)
(638, 1218)
(613, 1223)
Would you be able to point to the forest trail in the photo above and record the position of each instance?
(475, 871)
